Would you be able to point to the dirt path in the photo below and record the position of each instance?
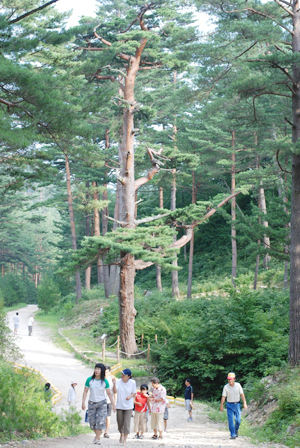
(61, 367)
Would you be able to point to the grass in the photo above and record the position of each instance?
(15, 307)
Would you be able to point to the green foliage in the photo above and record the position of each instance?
(15, 289)
(48, 294)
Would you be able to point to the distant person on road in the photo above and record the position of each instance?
(140, 415)
(72, 394)
(189, 398)
(16, 320)
(125, 387)
(158, 406)
(98, 386)
(233, 393)
(109, 404)
(47, 392)
(166, 415)
(30, 325)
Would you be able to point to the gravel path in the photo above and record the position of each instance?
(61, 367)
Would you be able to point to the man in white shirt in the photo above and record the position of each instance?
(233, 393)
(30, 325)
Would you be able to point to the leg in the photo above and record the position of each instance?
(120, 418)
(100, 415)
(238, 417)
(154, 424)
(160, 423)
(230, 415)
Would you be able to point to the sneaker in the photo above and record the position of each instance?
(136, 436)
(190, 419)
(97, 442)
(236, 433)
(141, 436)
(233, 437)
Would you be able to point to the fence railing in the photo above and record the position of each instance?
(147, 351)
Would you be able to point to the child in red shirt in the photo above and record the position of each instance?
(140, 416)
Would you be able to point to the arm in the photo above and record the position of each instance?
(192, 395)
(132, 395)
(85, 392)
(108, 391)
(115, 390)
(222, 402)
(244, 401)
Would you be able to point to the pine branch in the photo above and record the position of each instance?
(32, 11)
(285, 8)
(277, 160)
(150, 218)
(251, 46)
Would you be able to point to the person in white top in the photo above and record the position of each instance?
(125, 387)
(16, 320)
(30, 325)
(72, 394)
(233, 393)
(108, 376)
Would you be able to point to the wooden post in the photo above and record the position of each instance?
(148, 353)
(155, 338)
(103, 350)
(142, 340)
(165, 341)
(118, 349)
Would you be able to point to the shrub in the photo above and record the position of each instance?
(48, 294)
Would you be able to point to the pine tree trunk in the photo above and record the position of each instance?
(294, 341)
(72, 223)
(88, 271)
(233, 215)
(175, 286)
(127, 206)
(114, 272)
(191, 257)
(266, 239)
(158, 268)
(105, 215)
(97, 233)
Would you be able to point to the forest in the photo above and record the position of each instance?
(144, 155)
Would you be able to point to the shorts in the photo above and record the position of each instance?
(97, 412)
(188, 405)
(16, 326)
(157, 421)
(140, 422)
(109, 409)
(166, 414)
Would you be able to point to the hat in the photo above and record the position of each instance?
(73, 382)
(231, 376)
(126, 372)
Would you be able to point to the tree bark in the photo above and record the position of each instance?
(175, 286)
(72, 223)
(88, 271)
(266, 239)
(191, 256)
(158, 268)
(127, 266)
(294, 341)
(105, 215)
(97, 232)
(233, 214)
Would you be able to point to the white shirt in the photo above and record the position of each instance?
(108, 400)
(124, 390)
(16, 320)
(30, 321)
(233, 394)
(72, 396)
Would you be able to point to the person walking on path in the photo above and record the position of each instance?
(233, 393)
(97, 406)
(30, 325)
(109, 404)
(72, 394)
(125, 387)
(158, 406)
(140, 415)
(188, 398)
(16, 320)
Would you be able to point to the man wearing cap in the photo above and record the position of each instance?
(233, 393)
(125, 388)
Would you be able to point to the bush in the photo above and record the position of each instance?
(15, 290)
(48, 294)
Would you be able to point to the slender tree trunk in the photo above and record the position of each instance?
(72, 223)
(105, 215)
(191, 257)
(266, 239)
(294, 342)
(233, 214)
(97, 232)
(175, 282)
(158, 268)
(114, 272)
(88, 271)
